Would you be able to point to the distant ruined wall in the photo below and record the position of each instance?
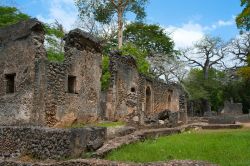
(156, 96)
(134, 96)
(21, 73)
(232, 108)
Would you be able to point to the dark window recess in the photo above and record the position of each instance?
(132, 89)
(71, 84)
(10, 83)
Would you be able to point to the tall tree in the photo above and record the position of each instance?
(159, 48)
(206, 54)
(240, 47)
(104, 10)
(243, 19)
(150, 38)
(11, 15)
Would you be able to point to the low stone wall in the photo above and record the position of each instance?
(229, 119)
(48, 143)
(243, 118)
(96, 162)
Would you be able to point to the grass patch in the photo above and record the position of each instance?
(101, 124)
(226, 148)
(109, 124)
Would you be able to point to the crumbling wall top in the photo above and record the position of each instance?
(116, 56)
(20, 30)
(82, 41)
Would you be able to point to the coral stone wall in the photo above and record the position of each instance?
(122, 94)
(48, 143)
(135, 96)
(36, 91)
(156, 96)
(83, 65)
(21, 73)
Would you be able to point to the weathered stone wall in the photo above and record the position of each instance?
(229, 119)
(122, 94)
(83, 62)
(232, 108)
(46, 92)
(21, 56)
(132, 96)
(48, 143)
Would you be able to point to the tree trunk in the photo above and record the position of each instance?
(206, 70)
(206, 107)
(206, 103)
(120, 28)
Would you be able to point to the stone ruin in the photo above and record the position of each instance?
(136, 98)
(231, 108)
(39, 92)
(38, 97)
(36, 91)
(230, 114)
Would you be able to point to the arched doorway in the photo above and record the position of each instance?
(148, 100)
(169, 101)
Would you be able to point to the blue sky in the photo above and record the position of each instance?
(186, 20)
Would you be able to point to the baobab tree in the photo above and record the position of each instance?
(206, 54)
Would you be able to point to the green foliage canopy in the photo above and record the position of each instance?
(105, 10)
(11, 15)
(140, 56)
(210, 89)
(149, 38)
(243, 19)
(54, 41)
(105, 79)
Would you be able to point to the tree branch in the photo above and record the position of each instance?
(113, 3)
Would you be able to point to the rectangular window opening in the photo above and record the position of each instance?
(71, 84)
(10, 83)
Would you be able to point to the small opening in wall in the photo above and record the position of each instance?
(10, 82)
(71, 84)
(132, 89)
(169, 101)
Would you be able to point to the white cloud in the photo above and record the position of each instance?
(222, 23)
(189, 33)
(64, 11)
(225, 23)
(186, 35)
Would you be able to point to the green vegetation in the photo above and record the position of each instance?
(243, 19)
(105, 79)
(54, 41)
(143, 65)
(11, 15)
(109, 124)
(101, 124)
(224, 147)
(54, 32)
(210, 89)
(104, 11)
(150, 38)
(55, 56)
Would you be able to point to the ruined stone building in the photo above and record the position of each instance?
(134, 96)
(36, 91)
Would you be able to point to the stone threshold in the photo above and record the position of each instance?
(99, 162)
